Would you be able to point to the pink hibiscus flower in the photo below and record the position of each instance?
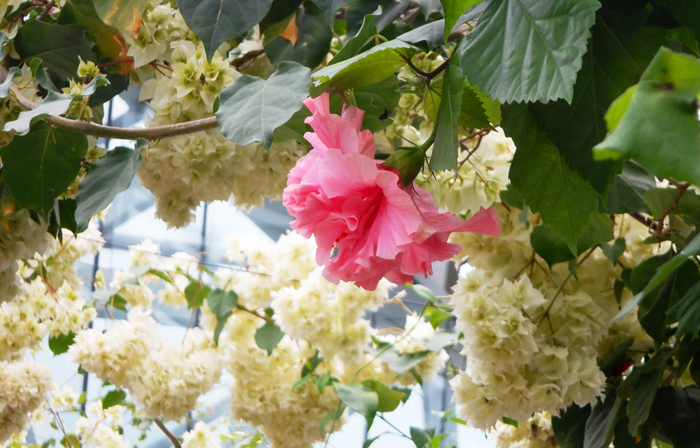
(367, 226)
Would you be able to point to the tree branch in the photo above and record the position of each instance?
(47, 10)
(672, 206)
(170, 435)
(98, 130)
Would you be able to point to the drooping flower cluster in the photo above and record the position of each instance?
(532, 335)
(366, 225)
(99, 427)
(23, 387)
(183, 171)
(164, 378)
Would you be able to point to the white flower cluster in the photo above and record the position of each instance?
(535, 432)
(482, 174)
(531, 335)
(199, 437)
(163, 377)
(100, 427)
(183, 171)
(263, 390)
(20, 238)
(23, 387)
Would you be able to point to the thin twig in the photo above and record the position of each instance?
(98, 130)
(170, 435)
(46, 10)
(659, 231)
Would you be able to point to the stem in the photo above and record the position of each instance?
(250, 56)
(674, 203)
(643, 219)
(98, 130)
(170, 435)
(46, 10)
(264, 317)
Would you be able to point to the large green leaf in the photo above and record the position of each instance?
(660, 128)
(356, 12)
(107, 178)
(312, 41)
(39, 166)
(472, 114)
(446, 145)
(221, 303)
(59, 46)
(252, 108)
(686, 12)
(626, 195)
(107, 38)
(529, 50)
(389, 399)
(354, 45)
(370, 67)
(600, 425)
(570, 426)
(453, 9)
(359, 398)
(544, 180)
(677, 412)
(641, 399)
(330, 7)
(618, 51)
(60, 343)
(215, 21)
(375, 100)
(553, 249)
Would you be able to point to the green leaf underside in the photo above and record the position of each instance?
(370, 67)
(544, 180)
(660, 127)
(312, 43)
(529, 50)
(59, 46)
(252, 108)
(39, 166)
(355, 44)
(626, 195)
(330, 7)
(107, 178)
(215, 21)
(268, 336)
(221, 303)
(600, 425)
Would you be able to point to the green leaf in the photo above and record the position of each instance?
(39, 166)
(660, 128)
(618, 50)
(623, 438)
(615, 360)
(106, 37)
(693, 248)
(221, 303)
(41, 74)
(389, 399)
(5, 86)
(359, 398)
(689, 322)
(545, 40)
(446, 145)
(122, 14)
(544, 180)
(333, 415)
(509, 421)
(641, 399)
(430, 33)
(423, 291)
(615, 250)
(600, 425)
(436, 317)
(659, 199)
(356, 12)
(376, 100)
(399, 363)
(553, 249)
(472, 114)
(370, 67)
(268, 336)
(59, 46)
(215, 21)
(354, 45)
(369, 442)
(323, 380)
(251, 108)
(453, 9)
(421, 436)
(60, 344)
(677, 411)
(626, 195)
(686, 12)
(195, 293)
(113, 398)
(107, 178)
(408, 162)
(312, 42)
(330, 7)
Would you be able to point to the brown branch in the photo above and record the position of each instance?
(170, 435)
(98, 130)
(250, 56)
(643, 219)
(46, 10)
